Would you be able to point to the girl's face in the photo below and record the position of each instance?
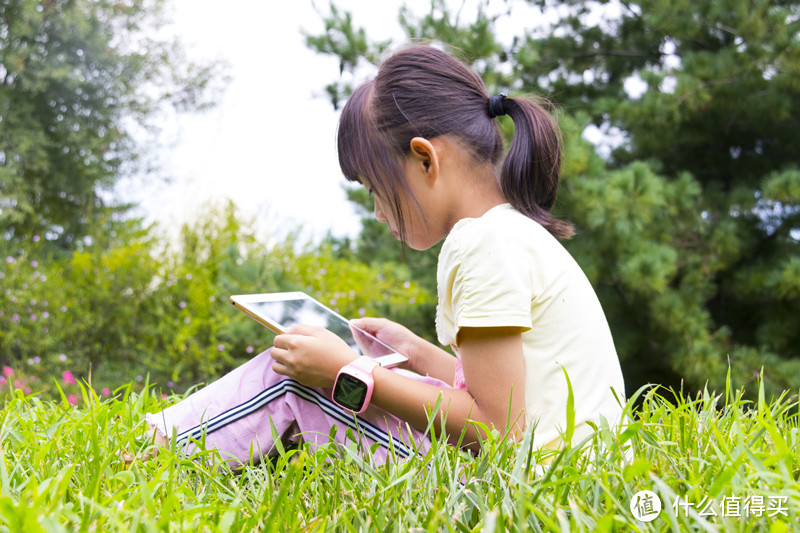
(438, 193)
(417, 217)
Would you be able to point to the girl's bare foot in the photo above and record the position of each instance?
(155, 439)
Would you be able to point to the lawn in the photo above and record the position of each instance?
(715, 462)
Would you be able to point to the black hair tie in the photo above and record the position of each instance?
(496, 106)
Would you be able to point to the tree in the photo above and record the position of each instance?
(77, 77)
(689, 227)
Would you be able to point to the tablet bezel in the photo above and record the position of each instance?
(241, 301)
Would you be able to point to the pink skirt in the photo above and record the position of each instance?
(239, 414)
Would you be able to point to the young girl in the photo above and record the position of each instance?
(514, 307)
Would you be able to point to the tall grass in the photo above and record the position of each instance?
(61, 471)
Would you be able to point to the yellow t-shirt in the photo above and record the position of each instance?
(504, 269)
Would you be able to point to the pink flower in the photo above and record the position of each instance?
(170, 384)
(182, 305)
(2, 380)
(73, 399)
(68, 377)
(35, 238)
(105, 390)
(249, 349)
(62, 357)
(8, 371)
(221, 347)
(34, 263)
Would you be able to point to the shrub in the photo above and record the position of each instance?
(123, 309)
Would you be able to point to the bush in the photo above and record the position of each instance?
(118, 310)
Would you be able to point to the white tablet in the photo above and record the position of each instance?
(280, 310)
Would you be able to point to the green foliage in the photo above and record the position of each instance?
(689, 228)
(60, 470)
(113, 312)
(77, 78)
(349, 45)
(376, 246)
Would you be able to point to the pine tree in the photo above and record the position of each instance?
(689, 226)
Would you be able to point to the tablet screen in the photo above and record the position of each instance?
(280, 311)
(287, 313)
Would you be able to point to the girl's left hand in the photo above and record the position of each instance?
(310, 355)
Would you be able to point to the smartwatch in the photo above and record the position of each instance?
(352, 389)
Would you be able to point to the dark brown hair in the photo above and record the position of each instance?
(424, 92)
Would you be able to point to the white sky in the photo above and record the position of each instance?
(270, 143)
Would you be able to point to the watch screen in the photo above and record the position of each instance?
(350, 392)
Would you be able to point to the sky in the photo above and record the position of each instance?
(269, 144)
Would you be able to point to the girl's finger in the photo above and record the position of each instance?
(279, 341)
(303, 329)
(278, 368)
(278, 355)
(286, 340)
(369, 324)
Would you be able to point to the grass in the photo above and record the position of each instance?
(61, 471)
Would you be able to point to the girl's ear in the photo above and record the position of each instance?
(424, 152)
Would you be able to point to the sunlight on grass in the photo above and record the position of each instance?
(716, 462)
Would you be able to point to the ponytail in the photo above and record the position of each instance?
(531, 171)
(424, 92)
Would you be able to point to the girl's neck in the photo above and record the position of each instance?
(480, 191)
(454, 187)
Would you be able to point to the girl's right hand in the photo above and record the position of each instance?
(395, 335)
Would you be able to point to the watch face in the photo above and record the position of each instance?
(350, 392)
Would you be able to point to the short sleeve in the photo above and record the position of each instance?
(484, 281)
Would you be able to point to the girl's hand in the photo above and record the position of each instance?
(310, 355)
(395, 335)
(423, 357)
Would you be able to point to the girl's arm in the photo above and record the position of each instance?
(430, 360)
(494, 371)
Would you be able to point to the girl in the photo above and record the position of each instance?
(514, 307)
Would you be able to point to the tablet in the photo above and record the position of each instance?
(280, 310)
